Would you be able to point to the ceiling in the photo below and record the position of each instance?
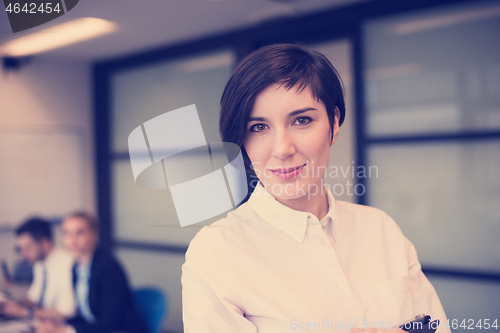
(149, 24)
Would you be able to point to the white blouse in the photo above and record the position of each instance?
(268, 268)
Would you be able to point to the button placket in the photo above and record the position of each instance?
(330, 262)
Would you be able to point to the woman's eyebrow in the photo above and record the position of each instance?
(296, 112)
(291, 114)
(256, 119)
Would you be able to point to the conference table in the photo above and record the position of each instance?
(9, 325)
(15, 326)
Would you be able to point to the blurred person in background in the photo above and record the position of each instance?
(104, 300)
(50, 294)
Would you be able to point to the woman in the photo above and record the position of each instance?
(292, 257)
(105, 302)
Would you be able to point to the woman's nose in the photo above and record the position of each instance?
(283, 145)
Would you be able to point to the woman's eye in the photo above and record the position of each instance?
(302, 121)
(258, 127)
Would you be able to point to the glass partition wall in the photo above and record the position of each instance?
(150, 241)
(138, 95)
(432, 84)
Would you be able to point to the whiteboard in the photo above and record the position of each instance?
(40, 173)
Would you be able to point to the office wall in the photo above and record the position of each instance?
(46, 160)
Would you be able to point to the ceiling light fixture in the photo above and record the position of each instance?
(68, 33)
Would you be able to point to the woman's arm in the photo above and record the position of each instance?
(210, 292)
(424, 296)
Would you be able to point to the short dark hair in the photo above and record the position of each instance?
(37, 228)
(288, 64)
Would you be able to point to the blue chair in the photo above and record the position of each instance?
(153, 306)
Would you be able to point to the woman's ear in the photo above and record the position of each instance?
(336, 126)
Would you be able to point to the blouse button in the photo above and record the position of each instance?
(341, 285)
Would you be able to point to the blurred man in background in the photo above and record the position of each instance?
(50, 294)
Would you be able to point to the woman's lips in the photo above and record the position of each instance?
(287, 173)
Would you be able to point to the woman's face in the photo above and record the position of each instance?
(288, 141)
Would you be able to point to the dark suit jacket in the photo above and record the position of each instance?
(110, 299)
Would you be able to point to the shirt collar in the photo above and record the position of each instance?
(288, 220)
(84, 269)
(51, 256)
(331, 220)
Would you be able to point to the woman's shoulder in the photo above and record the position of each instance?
(234, 219)
(354, 208)
(229, 228)
(372, 223)
(363, 214)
